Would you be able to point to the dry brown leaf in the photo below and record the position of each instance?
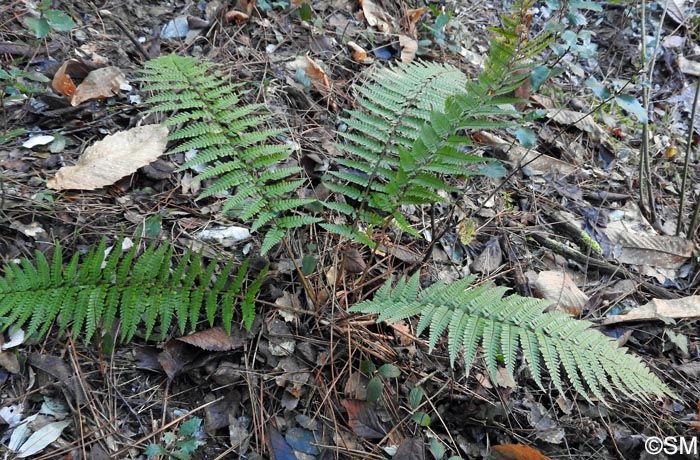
(558, 287)
(582, 121)
(358, 53)
(516, 452)
(99, 84)
(319, 78)
(112, 158)
(363, 419)
(62, 82)
(215, 339)
(410, 19)
(238, 17)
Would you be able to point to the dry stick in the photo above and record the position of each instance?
(686, 164)
(645, 161)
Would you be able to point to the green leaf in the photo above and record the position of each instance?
(632, 105)
(526, 137)
(389, 371)
(601, 91)
(415, 397)
(421, 418)
(308, 264)
(58, 20)
(374, 389)
(367, 367)
(493, 170)
(40, 27)
(153, 450)
(189, 427)
(437, 448)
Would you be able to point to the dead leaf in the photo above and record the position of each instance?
(100, 84)
(358, 53)
(411, 18)
(354, 263)
(238, 17)
(216, 339)
(112, 158)
(516, 452)
(317, 76)
(659, 309)
(582, 121)
(654, 250)
(175, 356)
(409, 46)
(376, 17)
(558, 287)
(534, 163)
(410, 449)
(363, 419)
(62, 82)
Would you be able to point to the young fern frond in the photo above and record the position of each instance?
(227, 137)
(474, 316)
(144, 291)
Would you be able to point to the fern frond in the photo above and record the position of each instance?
(228, 137)
(502, 325)
(401, 142)
(92, 294)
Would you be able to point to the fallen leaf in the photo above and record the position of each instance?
(42, 438)
(375, 16)
(238, 17)
(410, 19)
(357, 52)
(516, 452)
(409, 46)
(279, 448)
(363, 419)
(62, 82)
(215, 339)
(582, 121)
(410, 449)
(558, 287)
(100, 84)
(112, 158)
(660, 309)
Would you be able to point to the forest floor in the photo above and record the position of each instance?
(296, 385)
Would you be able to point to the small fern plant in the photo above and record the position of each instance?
(474, 316)
(228, 137)
(138, 290)
(408, 138)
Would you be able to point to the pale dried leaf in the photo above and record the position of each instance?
(112, 158)
(660, 309)
(100, 84)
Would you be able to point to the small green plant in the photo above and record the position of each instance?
(142, 291)
(375, 386)
(177, 445)
(17, 84)
(48, 20)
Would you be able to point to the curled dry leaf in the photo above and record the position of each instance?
(516, 452)
(319, 78)
(358, 53)
(409, 46)
(112, 158)
(238, 17)
(411, 18)
(100, 84)
(376, 17)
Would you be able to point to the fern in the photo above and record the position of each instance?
(502, 325)
(140, 293)
(228, 139)
(403, 145)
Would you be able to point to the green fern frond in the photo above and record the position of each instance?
(401, 145)
(481, 315)
(146, 290)
(228, 139)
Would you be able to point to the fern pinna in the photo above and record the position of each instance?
(503, 325)
(227, 137)
(404, 143)
(146, 289)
